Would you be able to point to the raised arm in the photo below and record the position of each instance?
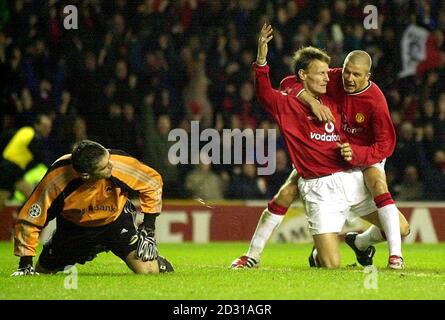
(268, 97)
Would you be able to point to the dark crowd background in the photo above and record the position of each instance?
(134, 70)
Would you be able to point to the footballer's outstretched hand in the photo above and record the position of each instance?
(146, 248)
(25, 268)
(266, 34)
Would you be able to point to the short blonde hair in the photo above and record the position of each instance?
(304, 56)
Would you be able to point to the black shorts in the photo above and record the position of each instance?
(72, 244)
(10, 174)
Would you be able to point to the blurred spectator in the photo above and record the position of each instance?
(433, 175)
(246, 184)
(157, 148)
(203, 183)
(194, 57)
(132, 135)
(283, 169)
(411, 189)
(25, 149)
(434, 58)
(31, 177)
(404, 154)
(196, 101)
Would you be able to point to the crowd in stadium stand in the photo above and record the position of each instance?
(134, 70)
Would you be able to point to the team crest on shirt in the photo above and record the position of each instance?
(35, 210)
(359, 117)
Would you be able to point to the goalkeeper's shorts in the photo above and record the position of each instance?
(73, 244)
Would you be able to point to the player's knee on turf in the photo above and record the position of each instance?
(160, 265)
(286, 195)
(147, 267)
(328, 259)
(141, 267)
(330, 262)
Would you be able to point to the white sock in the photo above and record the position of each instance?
(267, 224)
(371, 236)
(389, 218)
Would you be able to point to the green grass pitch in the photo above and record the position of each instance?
(202, 273)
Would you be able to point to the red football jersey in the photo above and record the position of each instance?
(312, 145)
(365, 118)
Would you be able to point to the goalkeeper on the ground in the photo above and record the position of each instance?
(88, 194)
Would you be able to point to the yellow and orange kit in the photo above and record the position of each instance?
(88, 204)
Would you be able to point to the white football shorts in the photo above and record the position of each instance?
(331, 200)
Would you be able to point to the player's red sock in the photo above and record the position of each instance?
(275, 208)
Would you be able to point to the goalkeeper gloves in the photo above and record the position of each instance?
(146, 248)
(25, 268)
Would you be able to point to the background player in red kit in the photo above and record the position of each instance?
(370, 149)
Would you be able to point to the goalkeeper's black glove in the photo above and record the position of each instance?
(25, 267)
(146, 249)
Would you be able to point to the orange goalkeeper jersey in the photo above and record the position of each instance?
(88, 204)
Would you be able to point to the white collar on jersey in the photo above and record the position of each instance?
(361, 91)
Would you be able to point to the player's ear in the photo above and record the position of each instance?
(301, 74)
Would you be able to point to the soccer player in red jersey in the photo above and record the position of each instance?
(324, 170)
(368, 125)
(358, 123)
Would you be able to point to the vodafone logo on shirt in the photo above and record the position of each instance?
(328, 136)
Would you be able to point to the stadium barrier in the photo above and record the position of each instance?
(200, 222)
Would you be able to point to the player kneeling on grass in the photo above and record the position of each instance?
(88, 194)
(367, 124)
(331, 187)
